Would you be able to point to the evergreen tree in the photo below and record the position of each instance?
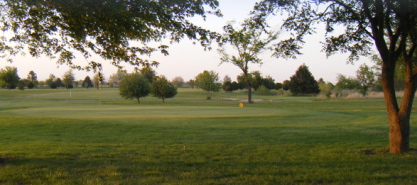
(303, 82)
(87, 82)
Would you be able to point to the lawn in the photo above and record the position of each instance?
(96, 137)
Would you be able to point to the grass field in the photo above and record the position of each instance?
(92, 137)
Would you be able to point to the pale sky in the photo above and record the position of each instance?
(187, 60)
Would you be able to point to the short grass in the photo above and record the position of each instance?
(96, 137)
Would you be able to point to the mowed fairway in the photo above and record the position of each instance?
(96, 137)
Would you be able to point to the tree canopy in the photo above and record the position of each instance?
(9, 76)
(134, 85)
(162, 88)
(68, 78)
(208, 81)
(303, 82)
(389, 25)
(105, 28)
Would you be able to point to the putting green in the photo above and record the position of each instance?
(106, 112)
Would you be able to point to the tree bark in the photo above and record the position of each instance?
(399, 118)
(163, 100)
(138, 101)
(249, 93)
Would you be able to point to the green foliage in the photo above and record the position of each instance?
(280, 92)
(227, 86)
(32, 76)
(102, 28)
(263, 91)
(53, 85)
(278, 86)
(326, 88)
(191, 83)
(31, 85)
(208, 81)
(68, 78)
(134, 85)
(162, 89)
(148, 72)
(366, 78)
(21, 85)
(87, 82)
(58, 82)
(303, 82)
(249, 41)
(9, 76)
(350, 83)
(286, 85)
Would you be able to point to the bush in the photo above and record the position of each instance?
(53, 85)
(21, 86)
(70, 86)
(31, 85)
(263, 91)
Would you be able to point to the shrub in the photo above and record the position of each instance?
(263, 91)
(31, 85)
(53, 85)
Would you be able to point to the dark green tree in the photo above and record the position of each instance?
(32, 76)
(389, 25)
(350, 83)
(162, 88)
(286, 85)
(278, 86)
(303, 82)
(134, 85)
(87, 82)
(9, 76)
(31, 85)
(58, 82)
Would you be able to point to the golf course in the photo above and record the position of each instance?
(90, 136)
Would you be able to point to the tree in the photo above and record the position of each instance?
(177, 81)
(208, 81)
(134, 85)
(227, 86)
(58, 82)
(191, 83)
(389, 25)
(68, 78)
(104, 28)
(9, 76)
(268, 82)
(286, 85)
(115, 78)
(32, 76)
(50, 80)
(162, 89)
(87, 82)
(148, 73)
(278, 86)
(366, 78)
(227, 79)
(249, 41)
(98, 79)
(31, 85)
(303, 82)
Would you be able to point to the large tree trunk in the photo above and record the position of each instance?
(138, 101)
(163, 100)
(249, 93)
(399, 118)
